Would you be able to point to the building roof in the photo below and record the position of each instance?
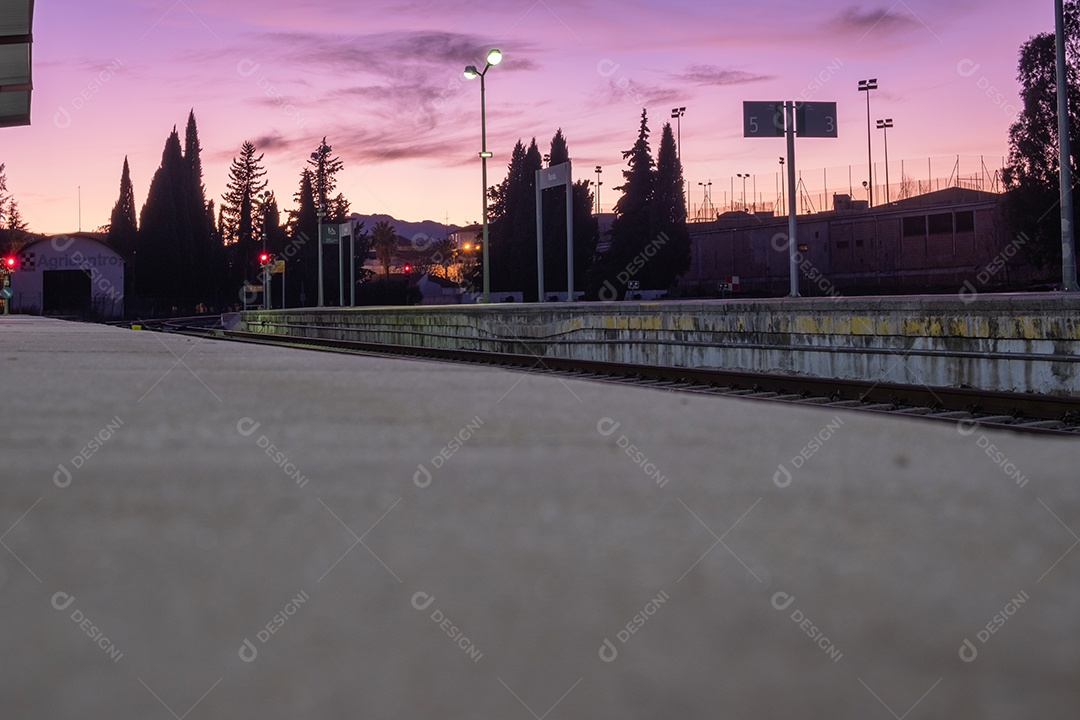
(16, 25)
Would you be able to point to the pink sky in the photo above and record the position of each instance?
(382, 81)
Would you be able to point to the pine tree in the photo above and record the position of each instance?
(123, 228)
(246, 182)
(630, 231)
(325, 167)
(670, 241)
(302, 268)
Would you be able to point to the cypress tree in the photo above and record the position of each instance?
(161, 269)
(672, 257)
(301, 274)
(123, 228)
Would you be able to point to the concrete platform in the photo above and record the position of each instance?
(427, 540)
(1023, 342)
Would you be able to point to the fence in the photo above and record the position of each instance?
(815, 188)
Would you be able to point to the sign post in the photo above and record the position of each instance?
(555, 176)
(778, 119)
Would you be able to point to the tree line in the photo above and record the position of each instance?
(649, 241)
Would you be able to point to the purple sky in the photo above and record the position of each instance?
(382, 81)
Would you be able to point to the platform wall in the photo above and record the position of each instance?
(1023, 343)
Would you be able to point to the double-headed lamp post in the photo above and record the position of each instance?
(883, 126)
(866, 86)
(494, 57)
(598, 184)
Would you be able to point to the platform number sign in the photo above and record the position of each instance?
(763, 119)
(817, 119)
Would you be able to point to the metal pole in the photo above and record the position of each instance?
(483, 171)
(569, 235)
(1068, 248)
(869, 153)
(352, 267)
(885, 130)
(341, 269)
(283, 285)
(318, 241)
(539, 239)
(793, 265)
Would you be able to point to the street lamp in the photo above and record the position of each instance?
(781, 186)
(598, 184)
(677, 114)
(866, 86)
(883, 126)
(706, 201)
(321, 212)
(743, 176)
(494, 57)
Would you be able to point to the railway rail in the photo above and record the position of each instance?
(966, 407)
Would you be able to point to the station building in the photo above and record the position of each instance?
(927, 243)
(69, 275)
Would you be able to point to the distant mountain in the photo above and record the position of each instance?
(408, 230)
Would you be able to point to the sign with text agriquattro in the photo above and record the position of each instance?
(763, 119)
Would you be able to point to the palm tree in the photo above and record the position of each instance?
(384, 242)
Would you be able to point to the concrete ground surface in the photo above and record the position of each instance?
(199, 529)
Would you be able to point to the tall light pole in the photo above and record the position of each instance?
(883, 126)
(1068, 244)
(781, 186)
(494, 57)
(706, 201)
(743, 176)
(866, 86)
(677, 114)
(598, 184)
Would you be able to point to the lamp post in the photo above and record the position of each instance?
(866, 86)
(883, 126)
(598, 184)
(677, 114)
(321, 212)
(781, 186)
(743, 176)
(494, 57)
(706, 187)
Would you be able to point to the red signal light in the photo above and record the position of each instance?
(264, 258)
(10, 263)
(408, 268)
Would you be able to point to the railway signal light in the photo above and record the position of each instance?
(264, 258)
(10, 263)
(408, 268)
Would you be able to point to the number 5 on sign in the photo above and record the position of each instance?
(763, 119)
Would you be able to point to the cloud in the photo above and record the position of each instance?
(859, 22)
(715, 75)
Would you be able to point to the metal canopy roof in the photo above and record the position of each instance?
(16, 27)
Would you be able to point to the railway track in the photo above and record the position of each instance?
(1016, 412)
